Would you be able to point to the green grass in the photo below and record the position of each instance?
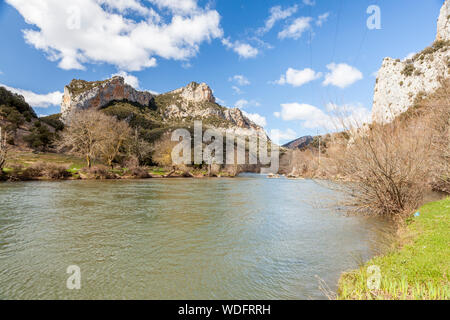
(28, 158)
(417, 268)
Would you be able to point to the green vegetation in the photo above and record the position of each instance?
(54, 121)
(417, 268)
(77, 86)
(40, 137)
(408, 70)
(436, 46)
(16, 102)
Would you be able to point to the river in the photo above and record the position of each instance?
(243, 238)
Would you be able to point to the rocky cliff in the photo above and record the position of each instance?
(193, 102)
(80, 95)
(400, 83)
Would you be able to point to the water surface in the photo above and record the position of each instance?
(243, 238)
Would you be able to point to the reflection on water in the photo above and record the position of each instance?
(243, 238)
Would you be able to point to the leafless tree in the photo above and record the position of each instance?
(92, 134)
(114, 134)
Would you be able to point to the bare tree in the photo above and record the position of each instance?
(139, 148)
(114, 134)
(3, 149)
(84, 135)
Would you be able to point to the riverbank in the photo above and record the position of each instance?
(29, 166)
(418, 265)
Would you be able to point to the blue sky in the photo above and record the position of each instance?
(285, 63)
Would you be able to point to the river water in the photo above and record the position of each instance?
(243, 238)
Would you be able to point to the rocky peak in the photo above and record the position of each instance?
(399, 83)
(443, 25)
(80, 95)
(195, 92)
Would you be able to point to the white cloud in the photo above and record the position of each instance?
(409, 56)
(277, 114)
(240, 80)
(283, 136)
(76, 32)
(277, 14)
(129, 79)
(256, 118)
(298, 78)
(237, 90)
(296, 29)
(342, 75)
(309, 2)
(242, 103)
(322, 19)
(177, 6)
(337, 118)
(38, 100)
(244, 50)
(220, 101)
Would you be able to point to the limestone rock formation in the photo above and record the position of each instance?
(400, 83)
(443, 25)
(193, 102)
(196, 101)
(80, 95)
(195, 92)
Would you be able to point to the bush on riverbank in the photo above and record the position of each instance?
(39, 170)
(391, 166)
(418, 266)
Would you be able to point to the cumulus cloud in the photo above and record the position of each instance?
(129, 79)
(244, 50)
(309, 2)
(176, 6)
(38, 100)
(283, 135)
(76, 32)
(297, 78)
(322, 19)
(240, 80)
(342, 75)
(336, 118)
(277, 14)
(296, 28)
(242, 103)
(256, 118)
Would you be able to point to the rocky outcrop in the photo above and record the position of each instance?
(193, 102)
(299, 143)
(443, 25)
(195, 92)
(400, 83)
(80, 95)
(196, 101)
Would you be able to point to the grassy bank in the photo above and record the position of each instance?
(418, 267)
(28, 166)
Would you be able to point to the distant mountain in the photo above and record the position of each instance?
(299, 143)
(193, 102)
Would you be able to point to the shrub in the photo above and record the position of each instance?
(97, 172)
(408, 70)
(40, 137)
